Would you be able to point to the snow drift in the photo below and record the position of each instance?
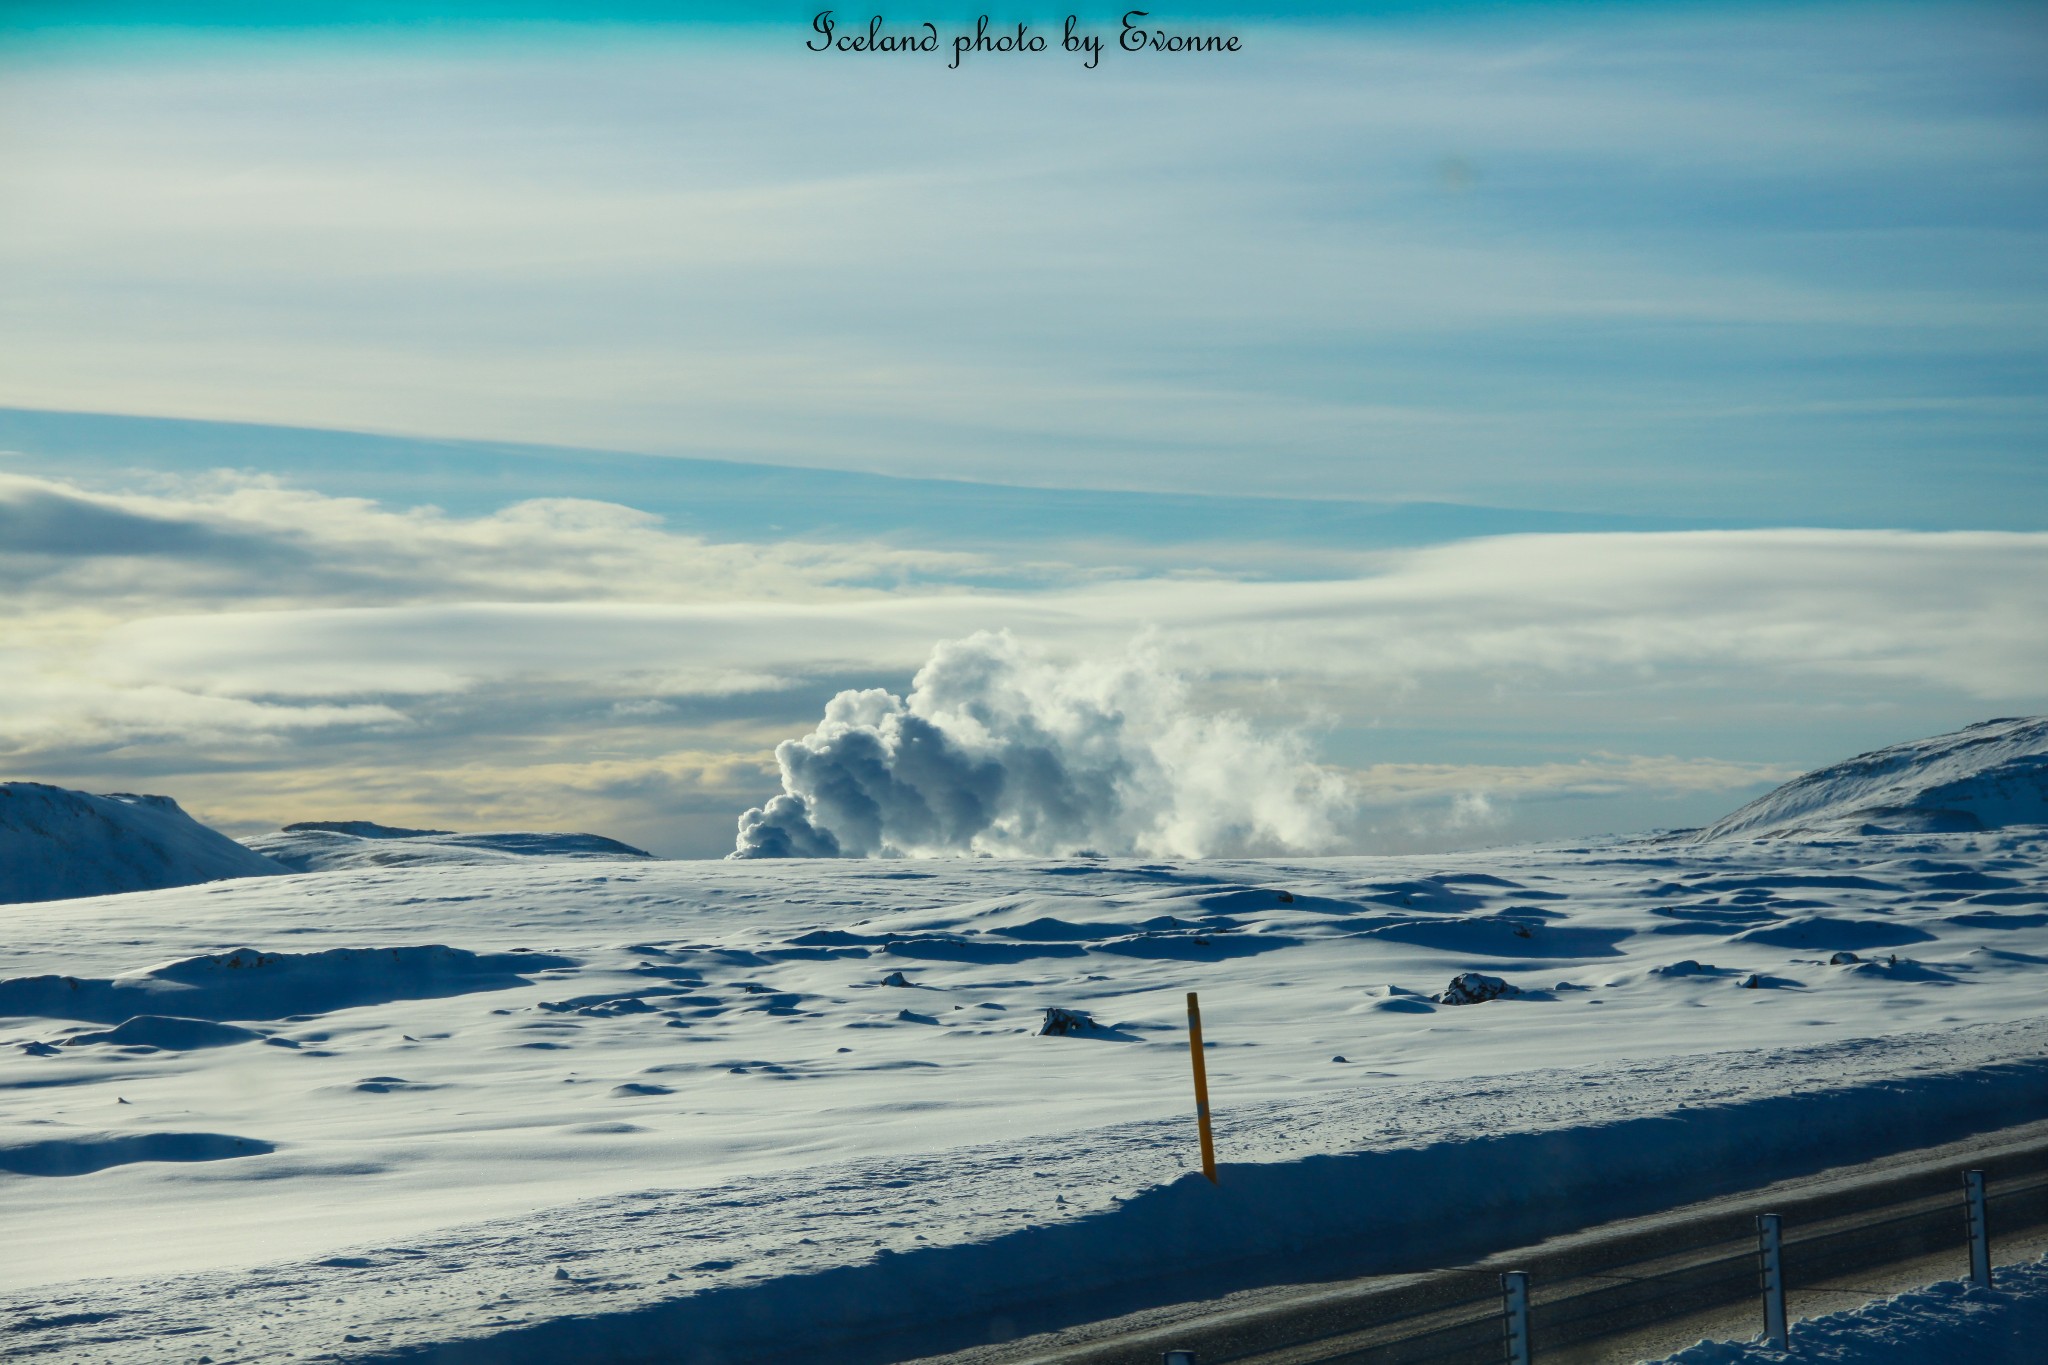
(56, 844)
(1984, 776)
(247, 984)
(327, 845)
(82, 1153)
(1000, 750)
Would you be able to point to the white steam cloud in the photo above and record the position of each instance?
(1001, 750)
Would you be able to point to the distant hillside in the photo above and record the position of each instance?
(326, 845)
(1984, 776)
(56, 844)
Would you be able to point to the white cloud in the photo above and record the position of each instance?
(1965, 612)
(257, 540)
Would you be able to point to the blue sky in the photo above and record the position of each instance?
(1019, 344)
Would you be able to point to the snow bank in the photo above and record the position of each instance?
(331, 845)
(1984, 776)
(56, 844)
(1062, 1023)
(2006, 1325)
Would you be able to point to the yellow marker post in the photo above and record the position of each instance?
(1201, 1087)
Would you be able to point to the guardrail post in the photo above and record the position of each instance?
(1980, 1229)
(1770, 1248)
(1514, 1298)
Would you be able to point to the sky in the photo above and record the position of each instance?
(1516, 420)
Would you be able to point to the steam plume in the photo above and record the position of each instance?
(998, 749)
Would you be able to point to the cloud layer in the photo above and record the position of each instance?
(241, 637)
(998, 749)
(1956, 611)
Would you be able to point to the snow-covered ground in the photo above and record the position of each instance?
(625, 1104)
(2005, 1325)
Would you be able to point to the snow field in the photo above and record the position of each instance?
(694, 1096)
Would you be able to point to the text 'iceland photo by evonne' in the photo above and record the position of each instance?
(723, 683)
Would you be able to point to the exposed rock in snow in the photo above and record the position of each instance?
(1472, 988)
(56, 844)
(1061, 1023)
(1984, 776)
(327, 845)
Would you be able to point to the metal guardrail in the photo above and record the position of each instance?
(1527, 1318)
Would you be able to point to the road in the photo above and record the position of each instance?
(1350, 1320)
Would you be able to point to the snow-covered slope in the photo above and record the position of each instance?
(56, 843)
(329, 845)
(1984, 776)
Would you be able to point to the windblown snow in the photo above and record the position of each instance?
(550, 1108)
(56, 843)
(1985, 776)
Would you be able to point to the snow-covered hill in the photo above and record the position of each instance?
(330, 845)
(56, 843)
(1984, 776)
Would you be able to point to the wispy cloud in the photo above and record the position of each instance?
(1702, 260)
(1471, 788)
(257, 541)
(1962, 611)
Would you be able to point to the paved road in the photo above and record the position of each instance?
(1326, 1324)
